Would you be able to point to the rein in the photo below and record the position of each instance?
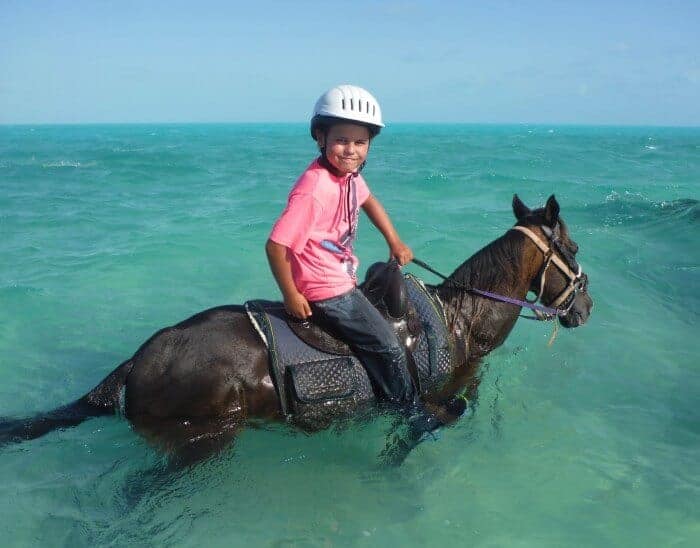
(493, 296)
(577, 281)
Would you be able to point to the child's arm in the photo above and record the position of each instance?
(379, 217)
(294, 302)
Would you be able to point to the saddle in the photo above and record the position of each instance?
(385, 288)
(316, 375)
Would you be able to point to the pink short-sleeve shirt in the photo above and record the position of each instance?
(318, 227)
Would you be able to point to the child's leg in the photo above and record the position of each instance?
(354, 319)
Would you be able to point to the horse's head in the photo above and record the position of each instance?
(561, 283)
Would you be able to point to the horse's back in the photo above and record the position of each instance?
(199, 367)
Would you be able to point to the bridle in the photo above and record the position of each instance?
(561, 305)
(577, 279)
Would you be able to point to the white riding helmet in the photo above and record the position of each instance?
(351, 103)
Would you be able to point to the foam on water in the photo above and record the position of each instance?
(108, 233)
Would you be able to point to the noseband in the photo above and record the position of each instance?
(578, 281)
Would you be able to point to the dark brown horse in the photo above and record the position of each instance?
(191, 387)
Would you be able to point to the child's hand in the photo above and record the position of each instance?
(401, 252)
(296, 305)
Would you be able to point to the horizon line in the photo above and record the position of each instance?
(403, 123)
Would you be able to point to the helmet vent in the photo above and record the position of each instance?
(350, 103)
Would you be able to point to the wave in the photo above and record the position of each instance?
(61, 163)
(651, 248)
(630, 209)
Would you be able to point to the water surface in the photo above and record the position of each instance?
(109, 233)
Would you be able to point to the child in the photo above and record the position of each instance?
(310, 249)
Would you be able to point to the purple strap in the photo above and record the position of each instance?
(494, 296)
(518, 302)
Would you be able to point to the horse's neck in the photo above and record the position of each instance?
(506, 266)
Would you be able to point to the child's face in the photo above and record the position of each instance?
(347, 146)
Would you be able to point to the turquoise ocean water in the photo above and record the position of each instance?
(108, 233)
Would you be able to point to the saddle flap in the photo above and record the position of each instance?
(318, 338)
(329, 379)
(433, 352)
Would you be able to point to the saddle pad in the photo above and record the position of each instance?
(433, 351)
(311, 384)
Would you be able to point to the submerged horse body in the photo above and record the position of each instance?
(192, 386)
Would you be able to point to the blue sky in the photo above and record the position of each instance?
(426, 61)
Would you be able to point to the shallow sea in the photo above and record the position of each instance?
(108, 233)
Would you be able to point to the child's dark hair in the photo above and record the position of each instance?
(324, 123)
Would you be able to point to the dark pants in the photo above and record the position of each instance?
(355, 320)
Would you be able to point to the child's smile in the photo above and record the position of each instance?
(347, 146)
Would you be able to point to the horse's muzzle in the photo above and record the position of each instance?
(579, 312)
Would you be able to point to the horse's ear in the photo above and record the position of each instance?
(520, 210)
(551, 211)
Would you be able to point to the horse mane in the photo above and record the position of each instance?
(492, 267)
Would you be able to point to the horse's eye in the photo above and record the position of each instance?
(574, 247)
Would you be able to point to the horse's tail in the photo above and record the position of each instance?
(101, 400)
